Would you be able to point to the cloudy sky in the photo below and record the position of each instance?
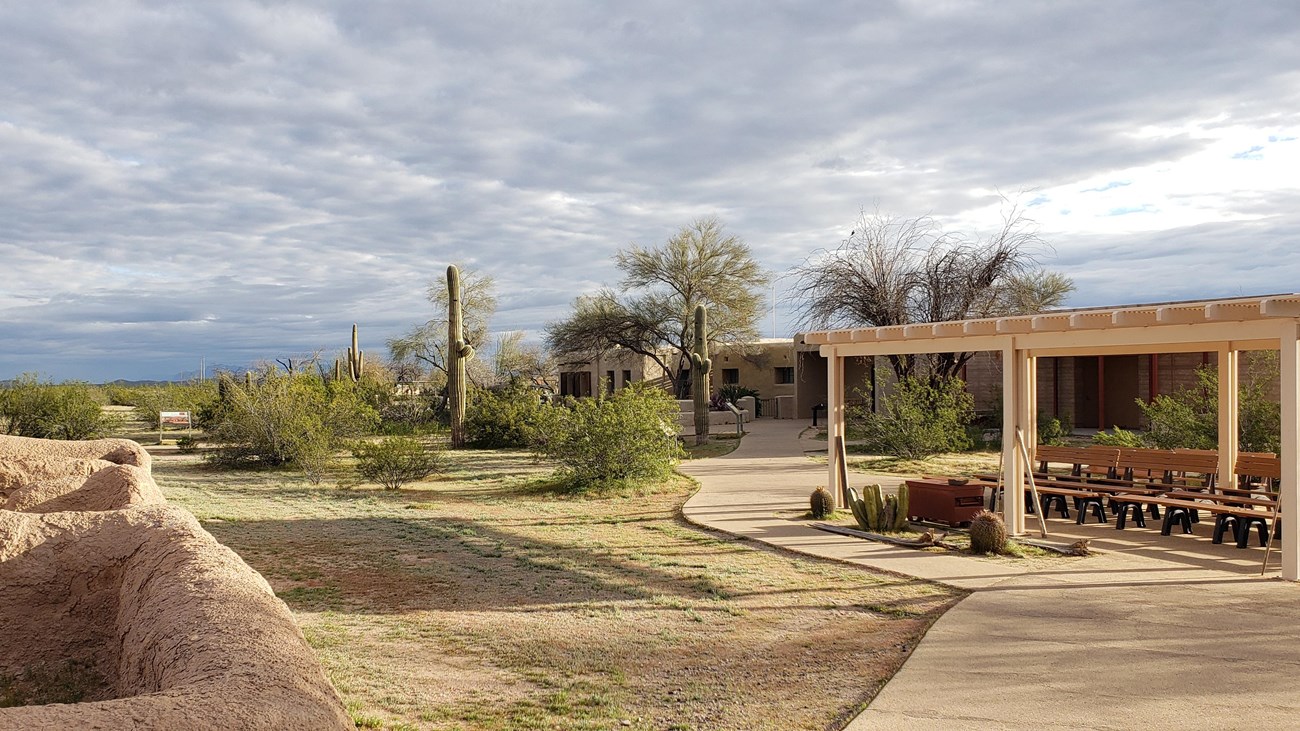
(234, 181)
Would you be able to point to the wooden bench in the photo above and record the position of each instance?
(1182, 507)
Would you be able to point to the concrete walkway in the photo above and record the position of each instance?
(1152, 633)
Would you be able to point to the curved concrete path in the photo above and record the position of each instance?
(1164, 633)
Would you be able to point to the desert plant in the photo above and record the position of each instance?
(288, 418)
(1052, 430)
(30, 407)
(822, 503)
(920, 418)
(187, 445)
(879, 513)
(630, 436)
(459, 352)
(1117, 438)
(395, 461)
(1189, 418)
(700, 365)
(988, 534)
(504, 418)
(356, 358)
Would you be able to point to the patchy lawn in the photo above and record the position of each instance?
(484, 600)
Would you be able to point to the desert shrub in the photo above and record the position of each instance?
(821, 503)
(194, 397)
(734, 392)
(1189, 419)
(30, 407)
(395, 461)
(628, 437)
(918, 419)
(1117, 438)
(283, 419)
(504, 418)
(187, 445)
(1052, 430)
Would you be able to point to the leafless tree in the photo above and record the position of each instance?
(899, 271)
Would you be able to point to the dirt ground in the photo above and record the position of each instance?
(484, 600)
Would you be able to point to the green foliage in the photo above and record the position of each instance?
(30, 407)
(1189, 418)
(920, 418)
(988, 534)
(1052, 430)
(821, 503)
(196, 397)
(395, 461)
(880, 513)
(505, 418)
(283, 419)
(733, 392)
(630, 436)
(1117, 438)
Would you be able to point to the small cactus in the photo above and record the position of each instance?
(988, 534)
(902, 519)
(248, 380)
(822, 503)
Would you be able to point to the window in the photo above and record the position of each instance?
(730, 376)
(609, 381)
(785, 374)
(627, 378)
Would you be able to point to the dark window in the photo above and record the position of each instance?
(730, 376)
(609, 381)
(785, 374)
(627, 377)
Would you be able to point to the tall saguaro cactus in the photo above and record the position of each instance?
(700, 364)
(458, 351)
(355, 357)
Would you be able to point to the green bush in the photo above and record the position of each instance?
(395, 461)
(1189, 419)
(1117, 438)
(918, 419)
(628, 437)
(734, 392)
(1052, 430)
(30, 407)
(504, 419)
(284, 419)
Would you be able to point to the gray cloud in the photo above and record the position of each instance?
(241, 181)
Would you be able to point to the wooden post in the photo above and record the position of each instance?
(1101, 392)
(835, 425)
(1013, 497)
(1228, 377)
(1290, 451)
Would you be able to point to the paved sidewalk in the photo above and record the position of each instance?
(1152, 633)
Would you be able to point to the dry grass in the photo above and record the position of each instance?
(486, 601)
(956, 464)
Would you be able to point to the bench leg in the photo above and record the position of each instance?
(1030, 508)
(1243, 531)
(1058, 501)
(1098, 507)
(1155, 511)
(1124, 509)
(1176, 514)
(1224, 523)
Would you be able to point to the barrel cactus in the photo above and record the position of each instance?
(877, 512)
(988, 534)
(822, 503)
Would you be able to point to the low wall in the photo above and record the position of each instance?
(120, 611)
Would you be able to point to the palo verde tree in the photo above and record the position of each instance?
(653, 312)
(899, 271)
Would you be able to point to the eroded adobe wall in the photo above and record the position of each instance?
(120, 611)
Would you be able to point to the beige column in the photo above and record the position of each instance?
(1013, 370)
(1031, 426)
(1228, 431)
(1290, 452)
(834, 425)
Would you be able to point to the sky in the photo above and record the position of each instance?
(222, 183)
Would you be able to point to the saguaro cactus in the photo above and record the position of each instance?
(458, 351)
(355, 357)
(700, 364)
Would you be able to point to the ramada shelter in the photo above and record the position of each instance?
(1225, 328)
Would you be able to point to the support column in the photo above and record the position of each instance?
(1290, 451)
(1031, 394)
(1013, 503)
(1228, 431)
(834, 425)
